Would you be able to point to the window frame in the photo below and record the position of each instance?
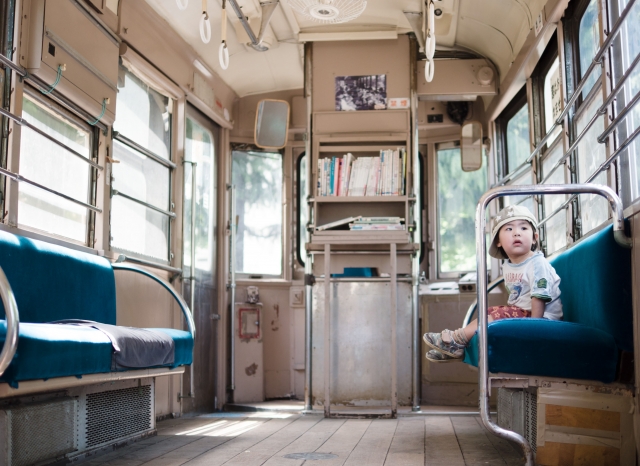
(62, 113)
(299, 204)
(515, 105)
(168, 163)
(246, 147)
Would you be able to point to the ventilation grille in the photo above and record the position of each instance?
(116, 414)
(518, 411)
(43, 432)
(531, 419)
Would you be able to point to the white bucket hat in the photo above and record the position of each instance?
(506, 215)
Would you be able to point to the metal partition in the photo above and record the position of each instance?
(481, 260)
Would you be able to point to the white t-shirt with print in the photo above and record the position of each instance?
(534, 277)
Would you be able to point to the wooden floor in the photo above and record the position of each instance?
(275, 439)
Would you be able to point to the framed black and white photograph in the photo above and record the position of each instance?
(361, 92)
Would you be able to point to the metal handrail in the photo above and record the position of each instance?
(597, 59)
(135, 146)
(13, 323)
(23, 122)
(20, 178)
(474, 305)
(168, 213)
(188, 316)
(481, 261)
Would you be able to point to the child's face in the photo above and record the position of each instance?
(516, 238)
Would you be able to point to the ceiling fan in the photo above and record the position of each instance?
(329, 11)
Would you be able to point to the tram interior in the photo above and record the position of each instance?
(226, 225)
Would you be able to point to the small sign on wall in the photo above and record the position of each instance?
(398, 102)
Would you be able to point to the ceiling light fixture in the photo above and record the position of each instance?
(329, 11)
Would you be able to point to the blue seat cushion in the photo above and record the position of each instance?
(51, 282)
(50, 350)
(548, 348)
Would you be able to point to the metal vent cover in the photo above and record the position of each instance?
(517, 411)
(42, 432)
(115, 414)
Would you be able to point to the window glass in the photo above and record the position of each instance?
(525, 178)
(589, 43)
(556, 227)
(626, 49)
(518, 146)
(199, 149)
(591, 154)
(553, 103)
(140, 182)
(257, 177)
(143, 114)
(140, 176)
(458, 195)
(302, 203)
(52, 166)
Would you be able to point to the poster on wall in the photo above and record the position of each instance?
(361, 92)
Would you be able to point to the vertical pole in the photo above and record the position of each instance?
(192, 300)
(417, 232)
(308, 264)
(394, 322)
(327, 330)
(232, 287)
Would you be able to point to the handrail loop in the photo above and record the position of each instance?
(13, 323)
(482, 289)
(188, 316)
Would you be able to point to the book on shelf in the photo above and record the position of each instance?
(376, 227)
(346, 175)
(337, 223)
(379, 220)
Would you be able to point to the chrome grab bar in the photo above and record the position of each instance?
(181, 302)
(13, 323)
(481, 261)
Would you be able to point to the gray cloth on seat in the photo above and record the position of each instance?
(132, 347)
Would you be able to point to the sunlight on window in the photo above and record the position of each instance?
(52, 166)
(556, 227)
(589, 43)
(199, 149)
(302, 202)
(257, 177)
(458, 195)
(518, 146)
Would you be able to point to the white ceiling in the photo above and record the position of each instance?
(495, 29)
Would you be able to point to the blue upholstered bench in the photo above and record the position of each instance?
(597, 326)
(52, 283)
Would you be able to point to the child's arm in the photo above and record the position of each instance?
(537, 307)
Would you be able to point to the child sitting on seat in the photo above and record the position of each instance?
(531, 282)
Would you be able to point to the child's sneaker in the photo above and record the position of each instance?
(452, 349)
(436, 356)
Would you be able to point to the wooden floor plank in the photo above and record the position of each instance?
(223, 453)
(261, 452)
(374, 444)
(310, 441)
(511, 453)
(151, 452)
(474, 443)
(441, 446)
(342, 442)
(407, 446)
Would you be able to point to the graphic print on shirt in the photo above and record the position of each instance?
(514, 285)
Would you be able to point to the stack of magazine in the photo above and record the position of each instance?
(384, 175)
(377, 224)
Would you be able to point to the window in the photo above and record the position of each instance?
(626, 48)
(589, 43)
(513, 126)
(258, 180)
(141, 182)
(303, 211)
(458, 195)
(51, 165)
(555, 229)
(199, 148)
